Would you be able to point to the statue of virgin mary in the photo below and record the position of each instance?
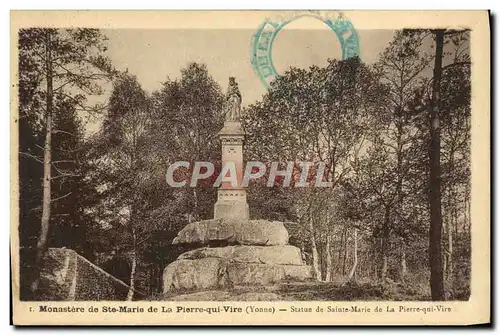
(233, 101)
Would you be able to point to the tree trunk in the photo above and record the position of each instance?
(346, 238)
(383, 271)
(315, 260)
(385, 246)
(449, 268)
(435, 243)
(453, 223)
(466, 224)
(328, 247)
(403, 262)
(399, 188)
(328, 269)
(446, 223)
(130, 294)
(151, 277)
(41, 245)
(355, 253)
(456, 214)
(133, 261)
(340, 246)
(467, 220)
(374, 264)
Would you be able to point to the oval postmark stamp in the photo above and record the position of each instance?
(264, 37)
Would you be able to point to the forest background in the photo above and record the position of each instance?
(394, 133)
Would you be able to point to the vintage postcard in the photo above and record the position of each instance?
(250, 167)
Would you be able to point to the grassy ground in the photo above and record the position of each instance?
(304, 291)
(312, 291)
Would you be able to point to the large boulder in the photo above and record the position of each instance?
(265, 274)
(297, 272)
(246, 232)
(214, 273)
(253, 273)
(279, 254)
(193, 274)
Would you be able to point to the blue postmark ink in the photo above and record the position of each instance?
(263, 39)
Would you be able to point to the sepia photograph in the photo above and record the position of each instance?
(302, 157)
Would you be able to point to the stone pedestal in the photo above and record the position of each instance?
(232, 199)
(231, 204)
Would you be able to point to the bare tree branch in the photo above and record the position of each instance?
(31, 156)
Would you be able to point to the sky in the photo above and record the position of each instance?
(155, 55)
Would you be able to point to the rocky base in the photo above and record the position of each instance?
(285, 255)
(257, 255)
(220, 272)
